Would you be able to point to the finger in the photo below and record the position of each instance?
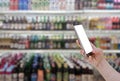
(78, 43)
(82, 52)
(90, 58)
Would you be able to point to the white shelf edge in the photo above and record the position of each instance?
(41, 50)
(101, 11)
(111, 51)
(103, 31)
(54, 51)
(36, 32)
(42, 12)
(57, 32)
(59, 11)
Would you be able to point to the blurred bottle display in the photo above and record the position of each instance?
(58, 4)
(40, 67)
(58, 41)
(59, 22)
(113, 23)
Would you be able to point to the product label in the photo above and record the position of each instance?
(8, 77)
(34, 77)
(21, 76)
(90, 77)
(14, 77)
(72, 77)
(59, 76)
(26, 78)
(53, 77)
(48, 76)
(78, 78)
(65, 76)
(84, 77)
(40, 75)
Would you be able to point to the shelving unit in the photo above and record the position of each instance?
(55, 51)
(81, 12)
(60, 11)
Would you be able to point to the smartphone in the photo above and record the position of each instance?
(84, 41)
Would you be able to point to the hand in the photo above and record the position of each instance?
(97, 56)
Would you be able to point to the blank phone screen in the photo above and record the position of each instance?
(84, 41)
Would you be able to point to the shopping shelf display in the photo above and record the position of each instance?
(58, 4)
(49, 67)
(40, 67)
(37, 38)
(58, 22)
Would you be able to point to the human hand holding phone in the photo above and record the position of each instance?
(94, 55)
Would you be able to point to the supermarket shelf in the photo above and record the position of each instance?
(36, 32)
(42, 50)
(104, 31)
(54, 51)
(40, 12)
(111, 51)
(59, 32)
(101, 11)
(60, 11)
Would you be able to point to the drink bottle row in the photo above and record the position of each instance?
(59, 22)
(40, 67)
(104, 23)
(58, 4)
(60, 41)
(105, 42)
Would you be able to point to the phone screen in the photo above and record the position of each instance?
(84, 41)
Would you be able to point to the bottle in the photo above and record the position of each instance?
(40, 23)
(15, 72)
(52, 22)
(53, 69)
(47, 69)
(63, 22)
(3, 67)
(76, 4)
(71, 73)
(33, 24)
(40, 70)
(48, 23)
(90, 73)
(44, 22)
(2, 22)
(11, 4)
(27, 43)
(9, 69)
(37, 23)
(84, 76)
(21, 71)
(28, 68)
(34, 70)
(20, 23)
(65, 72)
(24, 23)
(59, 71)
(56, 23)
(59, 23)
(68, 23)
(78, 73)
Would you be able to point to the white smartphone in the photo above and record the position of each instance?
(84, 41)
